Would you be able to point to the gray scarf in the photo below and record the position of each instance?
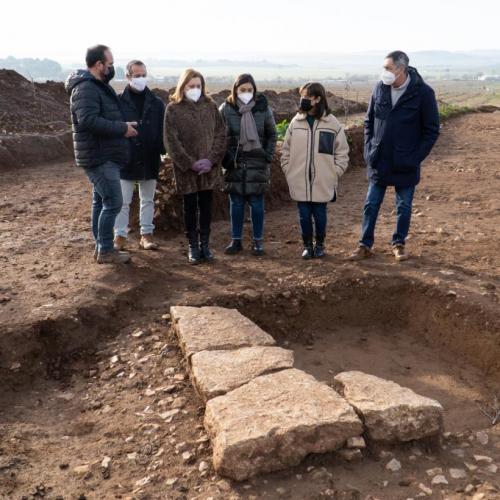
(249, 137)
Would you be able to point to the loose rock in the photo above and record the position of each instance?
(393, 465)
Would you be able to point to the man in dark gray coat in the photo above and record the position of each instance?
(100, 142)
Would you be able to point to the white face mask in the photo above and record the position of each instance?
(388, 77)
(245, 97)
(193, 94)
(139, 83)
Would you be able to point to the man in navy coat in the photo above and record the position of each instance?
(401, 127)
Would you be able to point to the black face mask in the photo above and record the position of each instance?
(305, 104)
(109, 75)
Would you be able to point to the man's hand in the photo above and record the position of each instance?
(131, 130)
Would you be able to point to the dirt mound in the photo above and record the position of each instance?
(356, 140)
(31, 107)
(284, 104)
(168, 212)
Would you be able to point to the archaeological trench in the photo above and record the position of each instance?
(264, 411)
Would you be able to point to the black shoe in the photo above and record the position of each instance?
(258, 248)
(233, 248)
(194, 254)
(308, 252)
(319, 248)
(205, 252)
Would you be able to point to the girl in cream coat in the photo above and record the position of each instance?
(315, 154)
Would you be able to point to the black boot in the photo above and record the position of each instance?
(258, 248)
(319, 248)
(308, 252)
(194, 256)
(205, 252)
(234, 247)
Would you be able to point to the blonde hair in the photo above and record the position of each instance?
(186, 76)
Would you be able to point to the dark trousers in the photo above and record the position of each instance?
(198, 212)
(374, 198)
(237, 210)
(309, 210)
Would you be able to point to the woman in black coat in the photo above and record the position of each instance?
(251, 132)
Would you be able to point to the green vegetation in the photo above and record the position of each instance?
(281, 129)
(447, 111)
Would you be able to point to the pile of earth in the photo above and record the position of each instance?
(284, 104)
(30, 107)
(168, 209)
(35, 119)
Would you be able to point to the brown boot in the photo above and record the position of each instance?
(120, 242)
(147, 242)
(361, 253)
(113, 257)
(399, 252)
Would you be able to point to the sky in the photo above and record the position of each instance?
(240, 29)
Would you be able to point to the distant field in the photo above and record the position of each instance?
(464, 93)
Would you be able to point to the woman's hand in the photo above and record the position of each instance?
(202, 166)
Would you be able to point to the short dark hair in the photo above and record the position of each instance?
(95, 54)
(134, 62)
(399, 58)
(240, 80)
(315, 89)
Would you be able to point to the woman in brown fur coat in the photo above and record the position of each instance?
(195, 138)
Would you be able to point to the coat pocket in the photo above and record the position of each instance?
(405, 160)
(326, 142)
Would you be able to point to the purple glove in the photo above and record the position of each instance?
(204, 166)
(196, 167)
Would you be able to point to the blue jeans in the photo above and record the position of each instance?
(374, 198)
(309, 210)
(237, 204)
(106, 202)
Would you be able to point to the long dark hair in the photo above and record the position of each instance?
(240, 80)
(315, 89)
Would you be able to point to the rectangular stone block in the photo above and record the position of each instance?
(218, 372)
(274, 421)
(215, 328)
(389, 411)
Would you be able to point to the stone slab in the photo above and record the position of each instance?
(389, 411)
(215, 328)
(274, 421)
(217, 372)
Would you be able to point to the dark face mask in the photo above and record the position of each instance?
(305, 104)
(109, 75)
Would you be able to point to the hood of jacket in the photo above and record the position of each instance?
(77, 77)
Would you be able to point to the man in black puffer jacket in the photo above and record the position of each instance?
(139, 104)
(100, 142)
(251, 141)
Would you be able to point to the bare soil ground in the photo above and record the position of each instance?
(80, 383)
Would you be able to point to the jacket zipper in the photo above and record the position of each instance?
(244, 178)
(311, 159)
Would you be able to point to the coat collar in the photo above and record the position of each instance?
(416, 82)
(148, 98)
(303, 116)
